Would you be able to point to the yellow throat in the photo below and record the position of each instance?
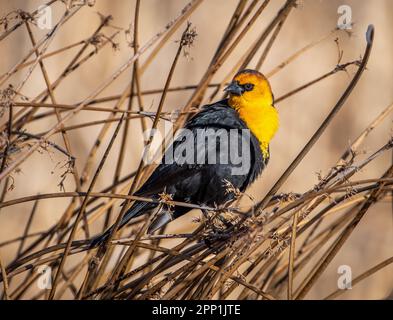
(260, 116)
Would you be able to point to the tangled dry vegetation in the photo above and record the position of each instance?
(238, 252)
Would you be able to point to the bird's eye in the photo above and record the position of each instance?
(248, 86)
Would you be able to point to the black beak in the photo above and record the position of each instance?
(234, 88)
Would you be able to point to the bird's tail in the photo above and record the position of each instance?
(136, 210)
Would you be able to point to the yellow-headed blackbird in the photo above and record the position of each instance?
(225, 144)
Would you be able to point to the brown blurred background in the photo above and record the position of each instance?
(300, 115)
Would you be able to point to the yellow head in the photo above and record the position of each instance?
(251, 96)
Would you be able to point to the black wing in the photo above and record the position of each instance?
(216, 116)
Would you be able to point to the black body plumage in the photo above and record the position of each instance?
(202, 184)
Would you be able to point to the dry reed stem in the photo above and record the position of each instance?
(5, 281)
(292, 256)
